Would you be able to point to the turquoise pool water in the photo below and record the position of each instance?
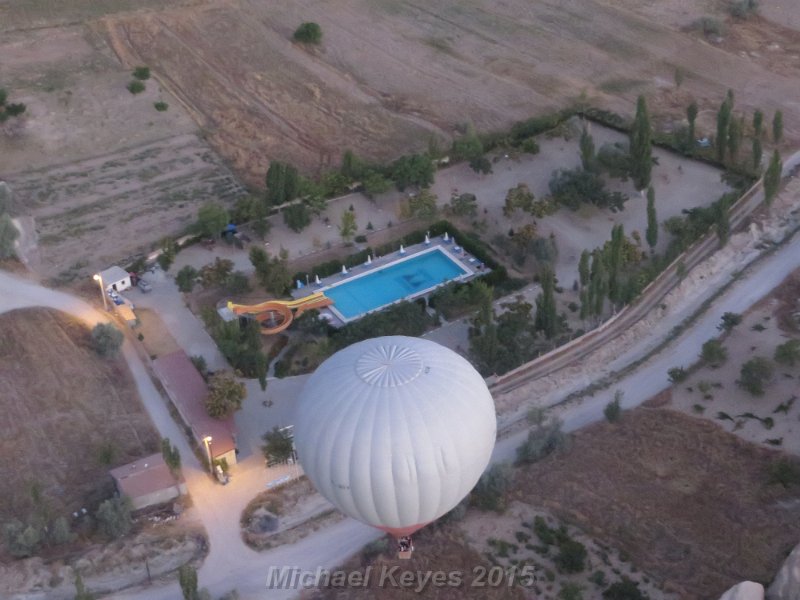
(382, 287)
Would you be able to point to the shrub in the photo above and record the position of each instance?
(185, 278)
(60, 532)
(15, 109)
(714, 353)
(709, 26)
(788, 353)
(225, 395)
(237, 283)
(136, 87)
(677, 374)
(784, 472)
(21, 540)
(489, 492)
(541, 442)
(297, 217)
(729, 321)
(571, 557)
(141, 73)
(161, 106)
(613, 410)
(624, 590)
(106, 339)
(754, 374)
(278, 446)
(308, 33)
(114, 517)
(741, 9)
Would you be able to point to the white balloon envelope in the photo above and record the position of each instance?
(395, 431)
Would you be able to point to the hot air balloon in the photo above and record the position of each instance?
(395, 431)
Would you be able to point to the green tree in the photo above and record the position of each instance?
(352, 167)
(729, 321)
(615, 263)
(583, 268)
(114, 517)
(169, 249)
(278, 446)
(134, 87)
(106, 339)
(757, 153)
(423, 204)
(722, 223)
(613, 410)
(587, 151)
(546, 319)
(187, 578)
(481, 164)
(376, 184)
(216, 273)
(625, 589)
(652, 220)
(81, 593)
(296, 216)
(541, 441)
(272, 273)
(171, 455)
(691, 116)
(714, 353)
(185, 278)
(571, 557)
(518, 198)
(723, 122)
(412, 170)
(348, 226)
(758, 124)
(60, 532)
(788, 353)
(777, 126)
(8, 236)
(225, 395)
(597, 284)
(772, 177)
(490, 491)
(754, 375)
(641, 150)
(21, 540)
(734, 139)
(464, 205)
(142, 73)
(283, 183)
(308, 33)
(212, 219)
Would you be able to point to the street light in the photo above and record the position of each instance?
(207, 442)
(98, 278)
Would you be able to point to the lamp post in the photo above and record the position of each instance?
(207, 442)
(99, 280)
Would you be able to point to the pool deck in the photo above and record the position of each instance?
(466, 261)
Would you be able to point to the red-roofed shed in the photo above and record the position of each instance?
(148, 481)
(188, 391)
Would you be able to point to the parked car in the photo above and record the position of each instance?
(144, 286)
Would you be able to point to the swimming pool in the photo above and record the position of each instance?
(404, 279)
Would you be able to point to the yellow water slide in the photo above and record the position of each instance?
(276, 315)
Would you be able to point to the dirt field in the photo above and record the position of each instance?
(62, 406)
(687, 501)
(389, 75)
(770, 420)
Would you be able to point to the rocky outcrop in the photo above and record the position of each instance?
(747, 590)
(786, 585)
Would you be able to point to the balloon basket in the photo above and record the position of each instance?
(404, 554)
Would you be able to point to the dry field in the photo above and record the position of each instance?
(62, 406)
(771, 420)
(390, 75)
(688, 502)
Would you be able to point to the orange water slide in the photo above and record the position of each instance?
(276, 315)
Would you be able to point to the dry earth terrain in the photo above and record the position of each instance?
(689, 502)
(773, 419)
(63, 409)
(390, 75)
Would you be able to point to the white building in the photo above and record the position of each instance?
(115, 278)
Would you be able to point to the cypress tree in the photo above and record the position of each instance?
(777, 126)
(546, 319)
(597, 285)
(758, 123)
(723, 121)
(772, 177)
(757, 154)
(615, 263)
(652, 220)
(723, 224)
(691, 115)
(734, 138)
(583, 268)
(587, 151)
(641, 150)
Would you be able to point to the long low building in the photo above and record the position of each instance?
(188, 391)
(148, 481)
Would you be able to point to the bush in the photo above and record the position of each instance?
(571, 556)
(729, 321)
(114, 517)
(741, 9)
(308, 33)
(489, 493)
(278, 446)
(784, 472)
(161, 106)
(225, 395)
(677, 374)
(788, 353)
(185, 278)
(15, 109)
(714, 353)
(21, 540)
(624, 590)
(136, 87)
(106, 339)
(141, 73)
(613, 410)
(237, 283)
(709, 26)
(754, 374)
(541, 442)
(297, 217)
